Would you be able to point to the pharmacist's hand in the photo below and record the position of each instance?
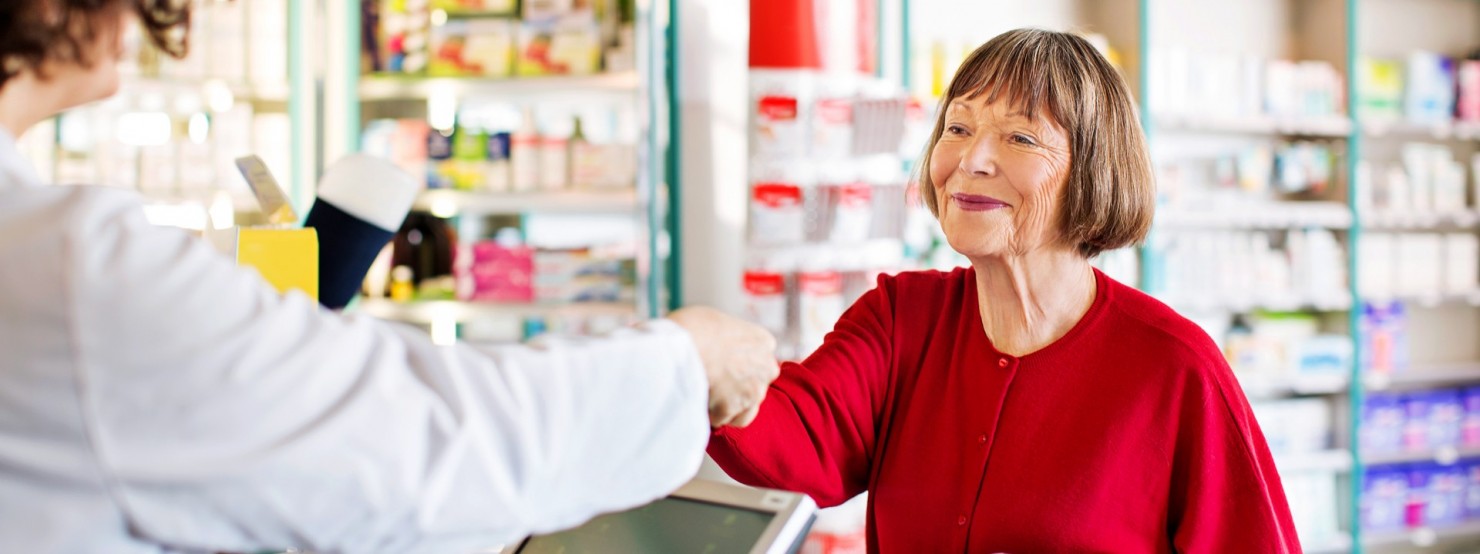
(740, 359)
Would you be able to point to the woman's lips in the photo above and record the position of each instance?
(977, 202)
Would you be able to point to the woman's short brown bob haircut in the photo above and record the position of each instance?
(1110, 196)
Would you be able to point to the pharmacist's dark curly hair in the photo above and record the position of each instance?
(33, 31)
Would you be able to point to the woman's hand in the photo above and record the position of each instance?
(739, 358)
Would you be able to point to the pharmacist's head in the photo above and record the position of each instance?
(1037, 147)
(75, 46)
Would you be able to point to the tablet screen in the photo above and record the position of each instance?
(668, 525)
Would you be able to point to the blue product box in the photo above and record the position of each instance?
(1471, 469)
(1384, 498)
(1446, 495)
(498, 146)
(1382, 424)
(439, 153)
(1419, 476)
(1446, 414)
(1416, 409)
(1470, 427)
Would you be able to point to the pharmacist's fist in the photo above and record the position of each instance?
(740, 359)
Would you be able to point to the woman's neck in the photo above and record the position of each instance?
(25, 101)
(1027, 302)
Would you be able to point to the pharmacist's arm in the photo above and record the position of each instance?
(228, 417)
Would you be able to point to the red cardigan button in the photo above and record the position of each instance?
(1001, 362)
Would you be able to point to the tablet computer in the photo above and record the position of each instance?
(703, 517)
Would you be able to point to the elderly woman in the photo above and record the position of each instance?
(1027, 403)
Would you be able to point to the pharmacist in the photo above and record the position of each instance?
(154, 397)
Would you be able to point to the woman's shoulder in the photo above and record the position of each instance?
(926, 289)
(1139, 320)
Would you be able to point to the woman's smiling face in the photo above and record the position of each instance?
(999, 177)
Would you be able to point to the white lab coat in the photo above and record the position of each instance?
(155, 397)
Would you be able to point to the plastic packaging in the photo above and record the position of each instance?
(765, 301)
(524, 155)
(820, 304)
(776, 214)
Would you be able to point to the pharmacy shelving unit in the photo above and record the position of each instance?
(1184, 138)
(643, 206)
(1341, 32)
(1442, 325)
(1179, 130)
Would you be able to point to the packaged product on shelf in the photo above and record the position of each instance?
(588, 164)
(1430, 88)
(496, 170)
(1380, 85)
(1374, 258)
(1295, 426)
(1470, 426)
(1385, 498)
(852, 212)
(1421, 257)
(819, 305)
(1471, 469)
(554, 162)
(778, 101)
(1382, 425)
(502, 7)
(1435, 495)
(561, 46)
(576, 276)
(1312, 498)
(498, 272)
(472, 47)
(1446, 417)
(1416, 509)
(1461, 262)
(440, 173)
(469, 150)
(524, 155)
(1384, 347)
(1445, 502)
(1467, 106)
(832, 128)
(776, 214)
(765, 301)
(401, 38)
(1418, 408)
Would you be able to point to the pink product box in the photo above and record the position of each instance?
(1468, 105)
(501, 274)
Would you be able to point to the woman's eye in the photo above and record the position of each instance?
(956, 129)
(1023, 140)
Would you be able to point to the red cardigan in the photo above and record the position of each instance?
(1129, 434)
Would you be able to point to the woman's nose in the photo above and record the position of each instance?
(980, 158)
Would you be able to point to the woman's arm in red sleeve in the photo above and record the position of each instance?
(1226, 493)
(815, 432)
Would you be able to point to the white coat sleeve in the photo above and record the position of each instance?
(228, 417)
